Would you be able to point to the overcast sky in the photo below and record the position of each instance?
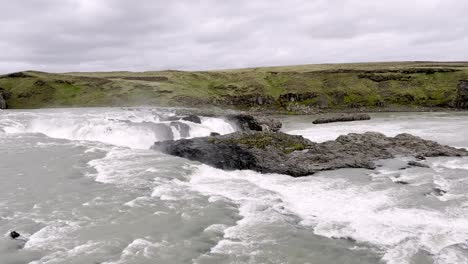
(142, 35)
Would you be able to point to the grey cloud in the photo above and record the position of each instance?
(88, 35)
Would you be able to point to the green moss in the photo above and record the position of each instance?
(276, 84)
(285, 143)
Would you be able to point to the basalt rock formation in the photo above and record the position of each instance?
(270, 152)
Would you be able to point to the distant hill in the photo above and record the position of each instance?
(292, 89)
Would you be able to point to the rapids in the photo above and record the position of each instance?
(82, 186)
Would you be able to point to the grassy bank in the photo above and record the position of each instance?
(294, 89)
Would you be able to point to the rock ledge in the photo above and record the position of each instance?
(270, 152)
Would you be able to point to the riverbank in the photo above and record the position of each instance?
(306, 89)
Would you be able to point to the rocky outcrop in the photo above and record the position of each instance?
(4, 96)
(342, 118)
(269, 152)
(254, 123)
(462, 95)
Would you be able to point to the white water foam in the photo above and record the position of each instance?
(125, 166)
(133, 129)
(51, 237)
(459, 163)
(68, 256)
(438, 127)
(335, 208)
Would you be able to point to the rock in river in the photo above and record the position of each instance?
(342, 118)
(255, 123)
(270, 152)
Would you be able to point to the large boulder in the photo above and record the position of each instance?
(270, 152)
(247, 122)
(462, 94)
(342, 118)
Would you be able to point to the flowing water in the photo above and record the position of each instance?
(81, 186)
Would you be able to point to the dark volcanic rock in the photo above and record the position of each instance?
(342, 118)
(255, 123)
(269, 152)
(462, 95)
(192, 118)
(14, 234)
(214, 134)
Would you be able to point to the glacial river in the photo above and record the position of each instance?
(82, 186)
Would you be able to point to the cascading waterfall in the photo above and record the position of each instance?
(137, 129)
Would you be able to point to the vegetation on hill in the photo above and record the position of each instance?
(298, 89)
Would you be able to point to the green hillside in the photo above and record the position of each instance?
(300, 89)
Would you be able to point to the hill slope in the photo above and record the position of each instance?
(305, 88)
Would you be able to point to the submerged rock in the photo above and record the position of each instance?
(270, 152)
(342, 118)
(438, 191)
(255, 123)
(14, 234)
(402, 182)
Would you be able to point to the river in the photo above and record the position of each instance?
(81, 186)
